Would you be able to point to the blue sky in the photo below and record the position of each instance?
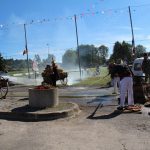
(50, 23)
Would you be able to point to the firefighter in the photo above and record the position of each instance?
(146, 67)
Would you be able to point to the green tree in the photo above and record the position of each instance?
(116, 51)
(88, 55)
(121, 51)
(70, 58)
(2, 63)
(139, 50)
(102, 53)
(19, 64)
(9, 63)
(126, 51)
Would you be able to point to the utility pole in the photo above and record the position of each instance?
(75, 18)
(26, 48)
(133, 41)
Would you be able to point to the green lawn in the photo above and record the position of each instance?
(11, 73)
(101, 80)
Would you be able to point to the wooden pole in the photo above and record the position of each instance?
(26, 48)
(77, 45)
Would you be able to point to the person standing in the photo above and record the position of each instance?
(146, 67)
(115, 79)
(116, 83)
(126, 85)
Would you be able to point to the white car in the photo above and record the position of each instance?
(137, 67)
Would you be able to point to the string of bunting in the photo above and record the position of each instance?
(89, 12)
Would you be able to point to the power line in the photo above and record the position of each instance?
(90, 12)
(142, 5)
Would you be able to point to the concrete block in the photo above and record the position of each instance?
(43, 97)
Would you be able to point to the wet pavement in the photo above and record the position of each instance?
(89, 96)
(83, 96)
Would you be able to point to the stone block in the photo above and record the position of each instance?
(43, 97)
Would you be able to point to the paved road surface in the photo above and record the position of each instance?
(106, 130)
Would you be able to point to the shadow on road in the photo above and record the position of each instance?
(31, 114)
(109, 116)
(26, 108)
(24, 99)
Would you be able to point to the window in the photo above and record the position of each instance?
(137, 67)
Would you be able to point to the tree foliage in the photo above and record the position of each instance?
(122, 51)
(89, 55)
(140, 49)
(69, 58)
(102, 53)
(21, 64)
(2, 63)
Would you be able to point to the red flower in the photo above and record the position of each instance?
(41, 87)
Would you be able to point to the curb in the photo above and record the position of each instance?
(40, 116)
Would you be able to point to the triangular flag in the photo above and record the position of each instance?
(25, 51)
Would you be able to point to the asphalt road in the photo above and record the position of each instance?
(105, 130)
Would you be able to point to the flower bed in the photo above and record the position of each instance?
(43, 87)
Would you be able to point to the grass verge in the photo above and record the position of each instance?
(101, 80)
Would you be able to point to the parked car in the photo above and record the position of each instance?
(137, 67)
